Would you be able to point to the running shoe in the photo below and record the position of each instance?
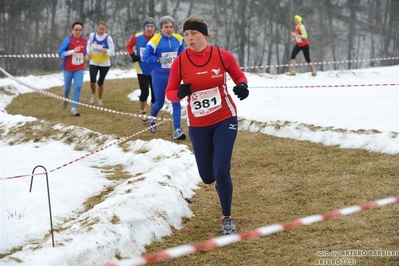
(179, 135)
(228, 226)
(153, 127)
(64, 104)
(74, 112)
(92, 99)
(144, 119)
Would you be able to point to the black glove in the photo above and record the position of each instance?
(135, 57)
(241, 90)
(184, 90)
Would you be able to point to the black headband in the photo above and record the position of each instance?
(199, 26)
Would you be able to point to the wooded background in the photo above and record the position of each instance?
(257, 32)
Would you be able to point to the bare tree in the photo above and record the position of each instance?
(257, 32)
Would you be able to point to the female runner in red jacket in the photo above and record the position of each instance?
(212, 114)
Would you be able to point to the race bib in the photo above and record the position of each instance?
(96, 49)
(298, 39)
(77, 59)
(170, 56)
(205, 102)
(142, 49)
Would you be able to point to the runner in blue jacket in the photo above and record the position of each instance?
(160, 52)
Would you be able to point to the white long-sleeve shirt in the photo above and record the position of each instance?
(110, 50)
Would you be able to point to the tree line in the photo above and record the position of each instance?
(257, 32)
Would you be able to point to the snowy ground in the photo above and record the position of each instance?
(142, 209)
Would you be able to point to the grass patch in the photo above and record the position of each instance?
(14, 250)
(115, 172)
(115, 97)
(275, 180)
(98, 198)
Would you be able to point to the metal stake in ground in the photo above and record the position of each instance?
(48, 195)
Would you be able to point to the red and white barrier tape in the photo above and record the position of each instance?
(327, 86)
(323, 63)
(162, 120)
(69, 100)
(176, 252)
(48, 55)
(29, 56)
(88, 154)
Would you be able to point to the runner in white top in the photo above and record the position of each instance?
(100, 47)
